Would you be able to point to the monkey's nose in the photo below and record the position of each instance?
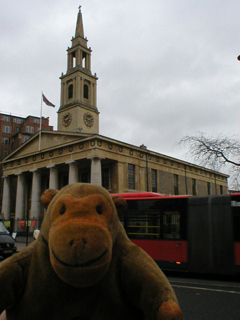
(78, 242)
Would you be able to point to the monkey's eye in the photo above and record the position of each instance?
(62, 210)
(99, 210)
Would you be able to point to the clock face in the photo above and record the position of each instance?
(88, 119)
(66, 119)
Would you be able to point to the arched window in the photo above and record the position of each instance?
(70, 91)
(85, 91)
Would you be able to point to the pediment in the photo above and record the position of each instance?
(49, 140)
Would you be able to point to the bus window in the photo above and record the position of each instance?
(156, 218)
(143, 226)
(171, 225)
(143, 219)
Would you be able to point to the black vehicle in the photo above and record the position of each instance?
(7, 243)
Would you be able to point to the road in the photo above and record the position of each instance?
(207, 299)
(202, 299)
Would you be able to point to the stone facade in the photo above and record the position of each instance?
(97, 159)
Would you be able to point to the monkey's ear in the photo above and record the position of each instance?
(47, 196)
(120, 204)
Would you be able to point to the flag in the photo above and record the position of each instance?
(48, 103)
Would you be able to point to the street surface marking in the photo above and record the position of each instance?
(205, 289)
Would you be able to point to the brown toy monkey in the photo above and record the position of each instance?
(83, 266)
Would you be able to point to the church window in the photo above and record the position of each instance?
(194, 187)
(208, 188)
(85, 91)
(221, 189)
(175, 184)
(70, 91)
(131, 176)
(154, 180)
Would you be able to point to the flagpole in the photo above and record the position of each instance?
(40, 133)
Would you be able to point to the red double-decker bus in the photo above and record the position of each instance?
(196, 234)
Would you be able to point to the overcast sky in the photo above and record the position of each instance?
(166, 68)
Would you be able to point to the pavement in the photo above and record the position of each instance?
(22, 244)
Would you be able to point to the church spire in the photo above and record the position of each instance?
(79, 27)
(78, 109)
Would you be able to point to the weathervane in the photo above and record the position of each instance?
(79, 8)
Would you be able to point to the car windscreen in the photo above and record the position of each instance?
(2, 227)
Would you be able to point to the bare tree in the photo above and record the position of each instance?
(217, 153)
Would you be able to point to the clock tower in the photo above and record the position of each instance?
(78, 107)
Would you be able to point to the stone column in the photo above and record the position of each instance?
(53, 177)
(78, 89)
(81, 89)
(74, 89)
(91, 93)
(137, 178)
(36, 194)
(78, 57)
(65, 93)
(20, 208)
(88, 61)
(62, 94)
(6, 197)
(118, 177)
(70, 61)
(96, 170)
(142, 177)
(95, 95)
(73, 172)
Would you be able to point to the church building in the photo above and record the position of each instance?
(77, 152)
